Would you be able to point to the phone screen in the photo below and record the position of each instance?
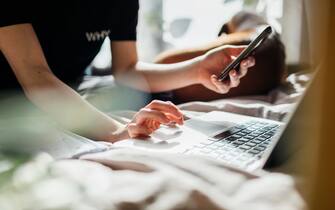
(265, 33)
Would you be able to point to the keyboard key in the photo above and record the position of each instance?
(248, 130)
(260, 148)
(268, 128)
(244, 140)
(241, 149)
(253, 135)
(250, 123)
(267, 136)
(258, 133)
(250, 144)
(256, 127)
(254, 152)
(260, 139)
(236, 143)
(241, 127)
(245, 147)
(253, 128)
(265, 144)
(230, 139)
(256, 141)
(234, 130)
(249, 137)
(274, 126)
(237, 135)
(239, 142)
(242, 133)
(222, 135)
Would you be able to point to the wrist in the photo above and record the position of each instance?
(121, 134)
(195, 72)
(110, 131)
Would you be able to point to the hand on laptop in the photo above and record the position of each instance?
(215, 61)
(149, 119)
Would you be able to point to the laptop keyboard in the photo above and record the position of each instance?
(241, 145)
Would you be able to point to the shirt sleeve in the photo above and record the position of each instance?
(125, 28)
(16, 13)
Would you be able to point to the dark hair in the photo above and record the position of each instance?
(270, 55)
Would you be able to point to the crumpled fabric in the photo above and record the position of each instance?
(273, 106)
(124, 179)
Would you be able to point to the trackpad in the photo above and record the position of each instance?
(208, 128)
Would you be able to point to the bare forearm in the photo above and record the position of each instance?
(179, 55)
(68, 108)
(161, 77)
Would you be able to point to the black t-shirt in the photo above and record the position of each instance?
(70, 32)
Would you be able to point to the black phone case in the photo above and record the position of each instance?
(247, 52)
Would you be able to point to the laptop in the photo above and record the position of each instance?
(237, 140)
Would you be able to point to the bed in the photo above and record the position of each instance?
(131, 179)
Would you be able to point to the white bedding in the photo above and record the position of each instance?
(273, 106)
(151, 181)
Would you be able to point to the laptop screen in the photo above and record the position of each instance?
(299, 127)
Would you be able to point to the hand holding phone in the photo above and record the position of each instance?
(265, 33)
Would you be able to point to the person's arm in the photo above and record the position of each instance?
(179, 55)
(163, 77)
(266, 75)
(21, 48)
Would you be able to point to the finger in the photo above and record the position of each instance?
(245, 65)
(156, 125)
(178, 120)
(243, 69)
(249, 62)
(135, 130)
(167, 108)
(220, 87)
(149, 124)
(234, 78)
(149, 114)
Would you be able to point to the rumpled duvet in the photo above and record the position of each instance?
(125, 179)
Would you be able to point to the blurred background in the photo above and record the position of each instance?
(173, 24)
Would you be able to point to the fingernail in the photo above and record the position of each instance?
(234, 73)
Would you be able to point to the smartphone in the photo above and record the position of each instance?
(265, 33)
